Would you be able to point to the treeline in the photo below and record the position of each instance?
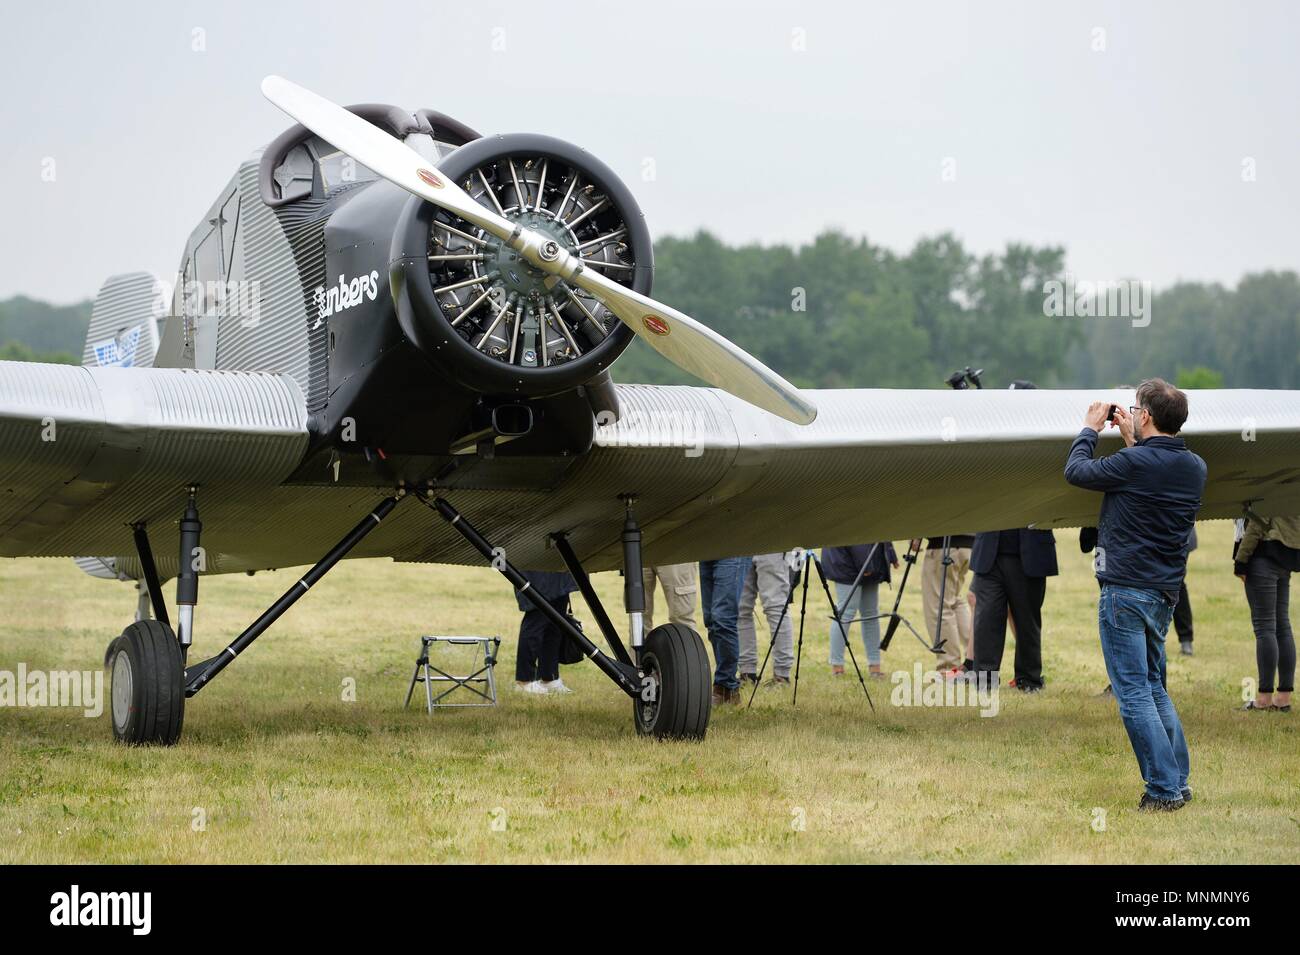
(840, 312)
(32, 330)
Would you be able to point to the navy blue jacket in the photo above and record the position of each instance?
(841, 564)
(1153, 491)
(551, 584)
(1037, 552)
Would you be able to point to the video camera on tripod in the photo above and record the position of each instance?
(963, 379)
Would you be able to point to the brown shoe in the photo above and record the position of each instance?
(725, 695)
(778, 681)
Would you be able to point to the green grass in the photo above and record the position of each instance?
(284, 770)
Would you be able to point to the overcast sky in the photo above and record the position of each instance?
(1126, 132)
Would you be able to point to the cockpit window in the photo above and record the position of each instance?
(338, 169)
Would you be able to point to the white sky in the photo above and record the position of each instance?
(1130, 157)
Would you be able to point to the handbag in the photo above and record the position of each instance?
(570, 651)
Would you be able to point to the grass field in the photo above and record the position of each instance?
(276, 767)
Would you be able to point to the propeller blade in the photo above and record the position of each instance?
(693, 347)
(699, 350)
(381, 153)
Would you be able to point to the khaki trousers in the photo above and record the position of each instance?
(958, 642)
(680, 586)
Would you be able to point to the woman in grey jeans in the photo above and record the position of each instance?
(1264, 558)
(842, 565)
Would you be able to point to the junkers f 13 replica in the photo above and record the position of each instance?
(385, 305)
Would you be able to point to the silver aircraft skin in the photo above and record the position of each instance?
(712, 475)
(224, 399)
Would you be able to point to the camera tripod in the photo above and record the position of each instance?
(837, 611)
(896, 618)
(836, 614)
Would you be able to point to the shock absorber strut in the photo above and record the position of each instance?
(633, 580)
(187, 576)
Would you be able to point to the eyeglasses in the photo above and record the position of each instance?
(1134, 409)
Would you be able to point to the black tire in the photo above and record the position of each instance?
(675, 660)
(147, 685)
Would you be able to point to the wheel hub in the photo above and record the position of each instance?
(121, 698)
(517, 274)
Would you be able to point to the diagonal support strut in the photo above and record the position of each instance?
(198, 676)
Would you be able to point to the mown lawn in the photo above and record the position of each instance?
(276, 766)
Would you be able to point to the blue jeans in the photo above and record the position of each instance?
(868, 606)
(720, 585)
(1133, 624)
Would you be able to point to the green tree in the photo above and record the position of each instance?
(1199, 377)
(17, 351)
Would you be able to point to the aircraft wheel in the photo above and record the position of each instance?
(147, 680)
(677, 695)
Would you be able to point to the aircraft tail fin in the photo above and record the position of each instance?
(124, 330)
(125, 321)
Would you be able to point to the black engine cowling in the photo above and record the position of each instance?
(481, 314)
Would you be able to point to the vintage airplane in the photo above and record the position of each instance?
(386, 305)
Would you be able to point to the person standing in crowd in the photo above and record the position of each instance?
(769, 580)
(935, 576)
(720, 585)
(1011, 568)
(1265, 558)
(537, 662)
(858, 579)
(1152, 490)
(1183, 610)
(679, 585)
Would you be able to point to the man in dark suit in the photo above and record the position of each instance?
(1011, 568)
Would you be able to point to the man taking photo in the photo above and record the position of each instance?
(1153, 490)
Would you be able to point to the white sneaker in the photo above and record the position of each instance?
(553, 686)
(534, 687)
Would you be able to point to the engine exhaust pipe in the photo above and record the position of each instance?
(501, 423)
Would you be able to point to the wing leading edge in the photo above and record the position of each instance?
(87, 451)
(712, 475)
(892, 464)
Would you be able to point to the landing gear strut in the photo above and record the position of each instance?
(146, 664)
(150, 681)
(667, 672)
